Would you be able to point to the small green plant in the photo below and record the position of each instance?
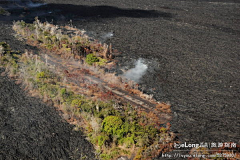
(102, 61)
(63, 91)
(106, 156)
(46, 33)
(67, 96)
(76, 103)
(163, 130)
(102, 139)
(112, 124)
(64, 45)
(41, 75)
(49, 46)
(52, 90)
(128, 141)
(91, 58)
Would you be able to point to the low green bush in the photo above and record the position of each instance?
(163, 130)
(101, 61)
(106, 156)
(112, 124)
(52, 90)
(102, 139)
(91, 58)
(88, 107)
(128, 141)
(63, 91)
(49, 46)
(41, 75)
(76, 103)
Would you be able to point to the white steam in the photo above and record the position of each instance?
(137, 72)
(106, 36)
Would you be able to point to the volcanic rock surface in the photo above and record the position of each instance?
(192, 52)
(30, 129)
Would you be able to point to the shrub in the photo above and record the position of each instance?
(41, 75)
(107, 112)
(64, 45)
(50, 90)
(151, 130)
(163, 130)
(49, 46)
(102, 139)
(53, 90)
(69, 96)
(66, 96)
(128, 141)
(76, 103)
(90, 59)
(102, 61)
(112, 124)
(106, 156)
(87, 107)
(63, 91)
(142, 140)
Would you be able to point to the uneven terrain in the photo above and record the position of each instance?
(192, 52)
(31, 129)
(191, 49)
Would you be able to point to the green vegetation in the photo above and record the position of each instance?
(101, 61)
(114, 132)
(8, 58)
(41, 75)
(56, 40)
(91, 58)
(76, 102)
